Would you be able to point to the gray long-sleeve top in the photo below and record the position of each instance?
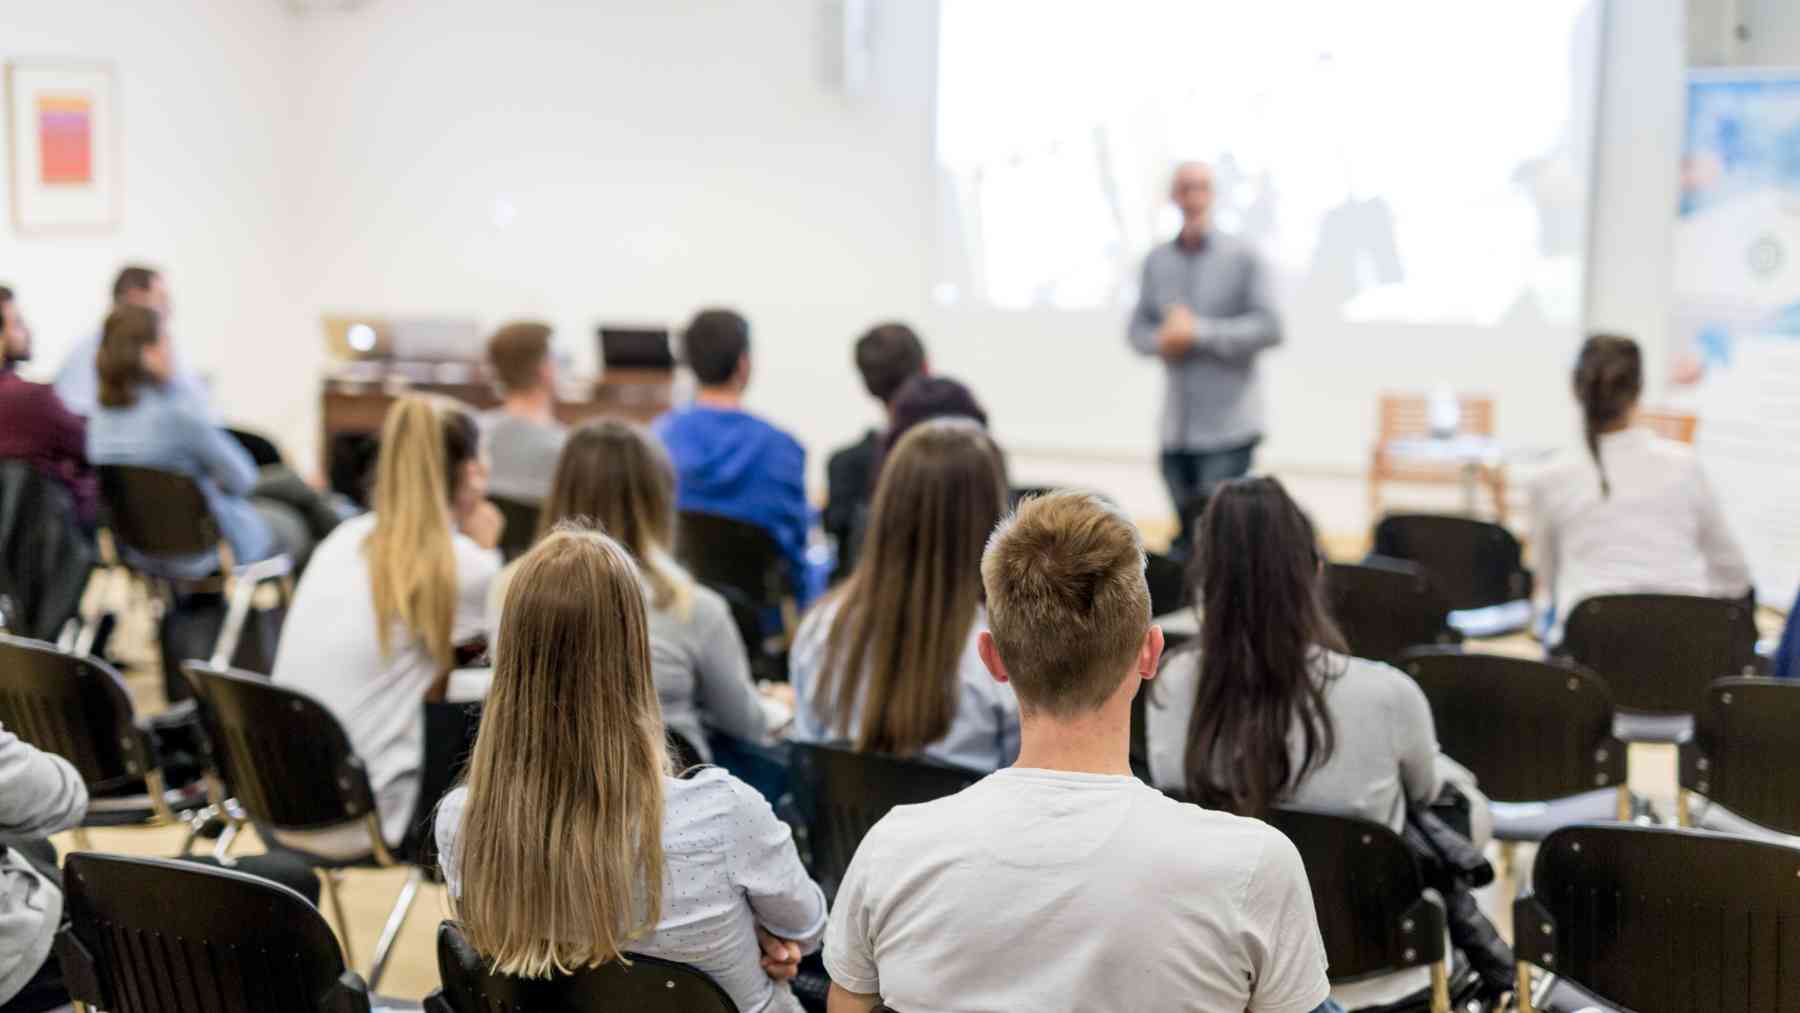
(40, 794)
(1213, 399)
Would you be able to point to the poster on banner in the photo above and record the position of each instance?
(1735, 357)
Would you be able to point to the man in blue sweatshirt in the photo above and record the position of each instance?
(728, 461)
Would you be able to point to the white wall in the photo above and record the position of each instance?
(204, 87)
(588, 162)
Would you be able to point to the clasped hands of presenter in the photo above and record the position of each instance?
(1175, 339)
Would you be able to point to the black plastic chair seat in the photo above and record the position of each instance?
(1474, 564)
(1742, 751)
(726, 551)
(1659, 652)
(645, 985)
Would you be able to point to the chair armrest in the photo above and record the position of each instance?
(264, 569)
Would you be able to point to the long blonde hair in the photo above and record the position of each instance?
(612, 474)
(411, 556)
(907, 610)
(561, 843)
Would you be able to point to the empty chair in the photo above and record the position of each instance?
(1675, 921)
(290, 766)
(78, 708)
(521, 526)
(1374, 913)
(1537, 735)
(151, 936)
(1658, 653)
(841, 793)
(645, 985)
(1409, 449)
(1384, 607)
(161, 524)
(1741, 753)
(1474, 564)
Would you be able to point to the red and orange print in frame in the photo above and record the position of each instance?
(65, 128)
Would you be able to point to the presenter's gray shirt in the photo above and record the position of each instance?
(1213, 399)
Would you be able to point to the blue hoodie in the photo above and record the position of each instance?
(736, 465)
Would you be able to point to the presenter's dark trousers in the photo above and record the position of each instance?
(1192, 475)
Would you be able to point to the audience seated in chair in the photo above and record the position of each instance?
(1269, 708)
(372, 629)
(144, 418)
(78, 382)
(728, 461)
(35, 426)
(1063, 882)
(888, 661)
(1632, 512)
(572, 843)
(887, 356)
(616, 476)
(522, 437)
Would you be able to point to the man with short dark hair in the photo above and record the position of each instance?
(1063, 882)
(728, 461)
(523, 437)
(78, 384)
(35, 426)
(887, 356)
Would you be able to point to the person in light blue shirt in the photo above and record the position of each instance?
(78, 384)
(728, 461)
(143, 419)
(890, 661)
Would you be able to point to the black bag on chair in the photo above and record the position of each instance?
(1455, 868)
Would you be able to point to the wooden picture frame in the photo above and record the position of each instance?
(63, 146)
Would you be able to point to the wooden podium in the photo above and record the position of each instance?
(355, 401)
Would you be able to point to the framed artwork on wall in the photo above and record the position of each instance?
(63, 131)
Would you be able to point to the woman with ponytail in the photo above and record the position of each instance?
(1630, 512)
(376, 620)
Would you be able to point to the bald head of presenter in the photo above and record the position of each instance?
(1205, 309)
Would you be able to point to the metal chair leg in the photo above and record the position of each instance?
(1522, 990)
(1440, 986)
(390, 932)
(331, 878)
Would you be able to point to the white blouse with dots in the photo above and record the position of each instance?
(728, 866)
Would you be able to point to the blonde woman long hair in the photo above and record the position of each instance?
(907, 610)
(615, 476)
(425, 443)
(561, 843)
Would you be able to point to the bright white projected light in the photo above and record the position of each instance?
(1395, 161)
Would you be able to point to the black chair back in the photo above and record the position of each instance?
(279, 752)
(154, 936)
(1741, 751)
(1374, 914)
(1659, 652)
(737, 554)
(1385, 607)
(841, 793)
(1474, 563)
(1676, 921)
(521, 526)
(157, 513)
(450, 730)
(45, 556)
(1529, 730)
(646, 985)
(1168, 583)
(75, 707)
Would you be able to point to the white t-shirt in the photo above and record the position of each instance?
(1047, 890)
(329, 651)
(728, 866)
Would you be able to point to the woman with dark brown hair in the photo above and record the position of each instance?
(888, 662)
(1631, 511)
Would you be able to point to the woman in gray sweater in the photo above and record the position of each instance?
(40, 794)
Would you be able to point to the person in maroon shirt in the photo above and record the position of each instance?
(34, 424)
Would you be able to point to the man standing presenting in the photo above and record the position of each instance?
(1205, 309)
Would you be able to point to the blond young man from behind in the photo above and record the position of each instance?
(1063, 882)
(522, 437)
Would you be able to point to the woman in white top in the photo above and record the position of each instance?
(614, 476)
(1631, 514)
(889, 661)
(388, 595)
(571, 844)
(1270, 709)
